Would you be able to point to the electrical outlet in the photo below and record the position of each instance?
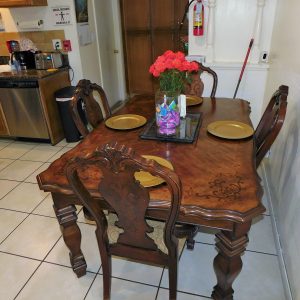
(57, 44)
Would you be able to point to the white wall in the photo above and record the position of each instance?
(234, 27)
(89, 53)
(284, 162)
(252, 86)
(109, 34)
(13, 15)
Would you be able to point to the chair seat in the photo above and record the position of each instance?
(157, 235)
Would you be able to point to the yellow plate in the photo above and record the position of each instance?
(230, 129)
(145, 178)
(192, 100)
(124, 122)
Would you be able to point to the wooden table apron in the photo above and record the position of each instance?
(220, 186)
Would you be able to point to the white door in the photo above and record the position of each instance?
(109, 39)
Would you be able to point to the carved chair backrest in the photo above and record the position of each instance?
(270, 123)
(95, 112)
(129, 200)
(197, 86)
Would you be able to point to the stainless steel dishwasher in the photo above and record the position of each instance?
(21, 104)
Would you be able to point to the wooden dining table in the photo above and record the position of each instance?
(220, 186)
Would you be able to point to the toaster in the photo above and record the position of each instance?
(48, 60)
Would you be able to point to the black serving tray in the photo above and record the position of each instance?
(186, 132)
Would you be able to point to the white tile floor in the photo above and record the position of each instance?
(34, 262)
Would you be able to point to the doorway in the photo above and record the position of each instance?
(109, 44)
(150, 27)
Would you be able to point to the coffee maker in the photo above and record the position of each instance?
(25, 59)
(21, 60)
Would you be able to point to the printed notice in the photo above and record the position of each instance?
(61, 15)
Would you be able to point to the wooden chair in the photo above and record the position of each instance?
(95, 111)
(270, 123)
(197, 86)
(129, 200)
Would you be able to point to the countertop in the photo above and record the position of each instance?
(29, 74)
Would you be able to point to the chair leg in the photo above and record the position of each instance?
(106, 269)
(106, 265)
(173, 279)
(188, 232)
(87, 214)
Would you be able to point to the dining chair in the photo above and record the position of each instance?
(95, 111)
(270, 123)
(196, 87)
(132, 237)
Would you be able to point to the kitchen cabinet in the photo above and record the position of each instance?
(28, 107)
(20, 3)
(3, 124)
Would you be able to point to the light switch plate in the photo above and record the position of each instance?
(57, 44)
(264, 56)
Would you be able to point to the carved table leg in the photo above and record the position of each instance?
(67, 217)
(228, 262)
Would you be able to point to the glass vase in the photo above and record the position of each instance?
(167, 112)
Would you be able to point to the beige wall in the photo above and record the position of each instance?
(284, 163)
(41, 39)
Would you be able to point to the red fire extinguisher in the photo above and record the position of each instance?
(198, 18)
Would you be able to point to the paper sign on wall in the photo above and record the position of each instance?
(61, 15)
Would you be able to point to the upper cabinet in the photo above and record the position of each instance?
(20, 3)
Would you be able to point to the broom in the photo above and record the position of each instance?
(243, 68)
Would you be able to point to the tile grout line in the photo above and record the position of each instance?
(19, 183)
(90, 287)
(14, 229)
(27, 280)
(253, 251)
(41, 262)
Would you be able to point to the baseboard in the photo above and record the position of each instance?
(270, 195)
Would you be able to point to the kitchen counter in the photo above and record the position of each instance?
(29, 74)
(28, 107)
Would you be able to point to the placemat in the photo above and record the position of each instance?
(186, 132)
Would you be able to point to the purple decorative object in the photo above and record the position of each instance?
(167, 113)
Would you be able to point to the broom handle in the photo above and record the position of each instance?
(244, 66)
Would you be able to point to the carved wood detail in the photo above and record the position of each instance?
(228, 262)
(95, 112)
(271, 123)
(225, 186)
(129, 200)
(72, 236)
(196, 87)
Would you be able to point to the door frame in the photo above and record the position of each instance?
(118, 41)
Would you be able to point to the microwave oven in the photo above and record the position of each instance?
(48, 60)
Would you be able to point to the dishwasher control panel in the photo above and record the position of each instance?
(19, 84)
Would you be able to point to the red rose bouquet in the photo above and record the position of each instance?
(173, 71)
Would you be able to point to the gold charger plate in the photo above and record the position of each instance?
(145, 178)
(124, 122)
(192, 100)
(230, 129)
